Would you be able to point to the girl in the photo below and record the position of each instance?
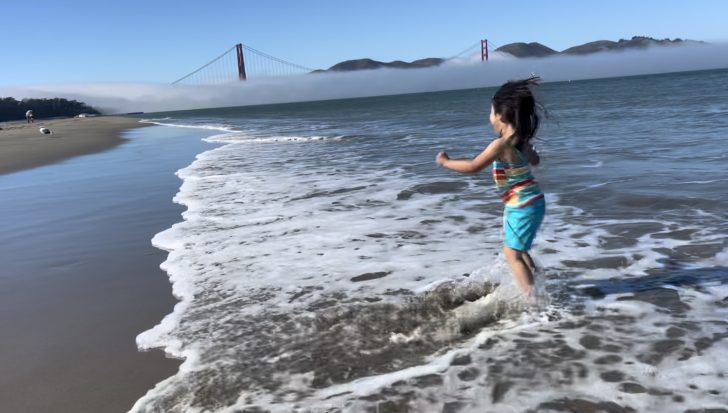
(514, 117)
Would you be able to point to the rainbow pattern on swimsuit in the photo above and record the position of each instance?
(515, 183)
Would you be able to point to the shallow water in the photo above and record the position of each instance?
(326, 264)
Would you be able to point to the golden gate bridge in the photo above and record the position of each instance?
(242, 62)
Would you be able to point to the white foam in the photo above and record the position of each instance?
(181, 124)
(706, 181)
(597, 164)
(298, 233)
(243, 138)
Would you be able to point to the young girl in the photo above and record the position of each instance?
(514, 117)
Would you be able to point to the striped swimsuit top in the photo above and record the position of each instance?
(515, 183)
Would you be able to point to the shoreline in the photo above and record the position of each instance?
(81, 279)
(22, 146)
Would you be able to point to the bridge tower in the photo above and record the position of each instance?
(484, 50)
(241, 62)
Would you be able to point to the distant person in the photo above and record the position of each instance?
(514, 117)
(29, 116)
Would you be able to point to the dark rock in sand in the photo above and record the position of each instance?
(254, 409)
(489, 343)
(461, 360)
(583, 406)
(703, 342)
(596, 327)
(582, 372)
(597, 263)
(674, 332)
(627, 235)
(370, 276)
(666, 298)
(608, 359)
(660, 350)
(428, 380)
(452, 407)
(448, 296)
(391, 406)
(629, 387)
(475, 229)
(571, 325)
(566, 352)
(431, 189)
(593, 292)
(612, 376)
(590, 342)
(692, 251)
(686, 354)
(499, 390)
(683, 234)
(469, 374)
(328, 193)
(612, 348)
(667, 346)
(371, 397)
(659, 392)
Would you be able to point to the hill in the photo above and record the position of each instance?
(519, 49)
(636, 42)
(368, 64)
(527, 50)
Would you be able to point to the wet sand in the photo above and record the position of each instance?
(80, 278)
(22, 146)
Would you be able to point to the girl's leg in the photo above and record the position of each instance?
(529, 261)
(521, 271)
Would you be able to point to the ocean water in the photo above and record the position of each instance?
(325, 263)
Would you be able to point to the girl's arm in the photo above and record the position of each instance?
(531, 154)
(475, 165)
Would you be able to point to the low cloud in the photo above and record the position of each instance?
(455, 74)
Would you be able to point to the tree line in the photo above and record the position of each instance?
(11, 109)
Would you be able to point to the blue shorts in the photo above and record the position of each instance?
(521, 224)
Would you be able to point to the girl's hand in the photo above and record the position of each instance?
(441, 158)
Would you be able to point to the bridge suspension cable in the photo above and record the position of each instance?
(204, 66)
(241, 62)
(486, 46)
(469, 49)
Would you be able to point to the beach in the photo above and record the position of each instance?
(22, 146)
(311, 257)
(80, 278)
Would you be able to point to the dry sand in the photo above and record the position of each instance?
(22, 146)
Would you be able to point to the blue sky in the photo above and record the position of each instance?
(60, 42)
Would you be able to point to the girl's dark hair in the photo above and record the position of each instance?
(515, 103)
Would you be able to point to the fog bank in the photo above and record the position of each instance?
(455, 74)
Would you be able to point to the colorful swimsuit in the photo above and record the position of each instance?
(524, 202)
